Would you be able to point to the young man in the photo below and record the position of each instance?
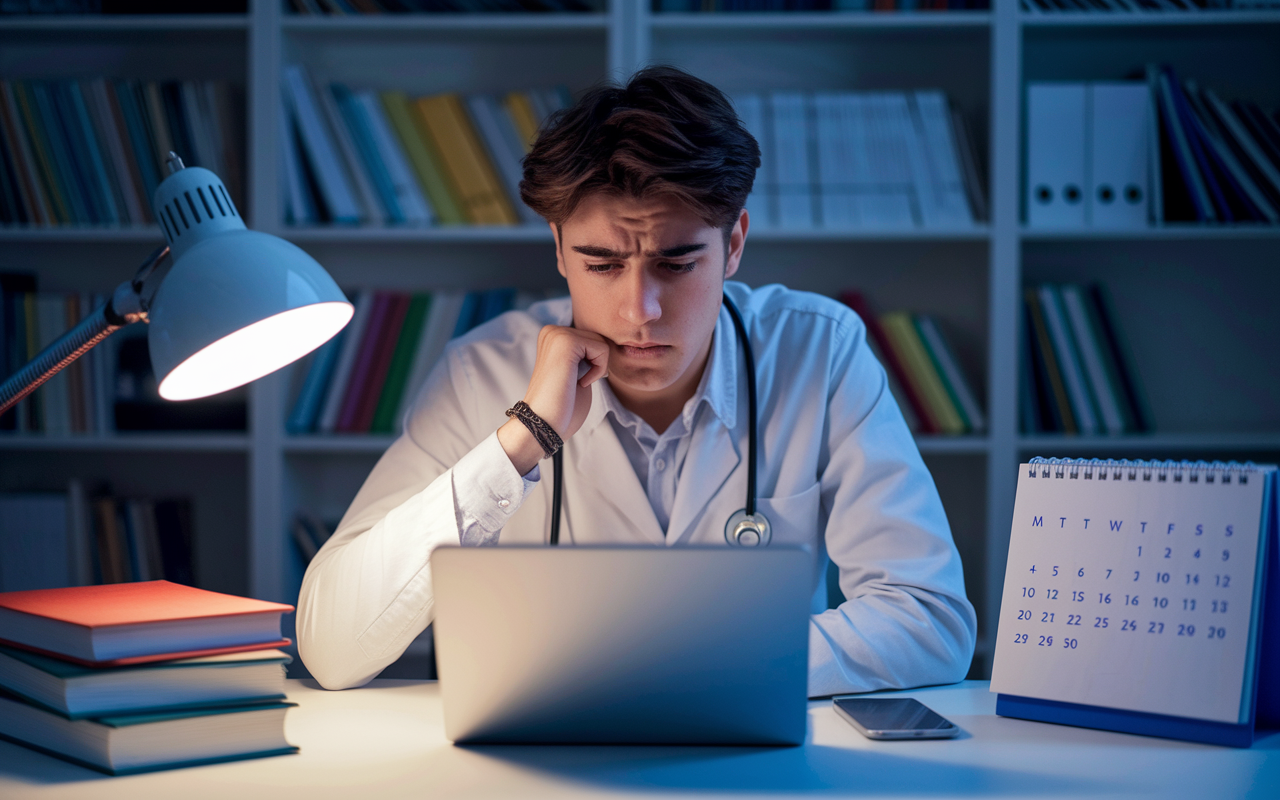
(640, 375)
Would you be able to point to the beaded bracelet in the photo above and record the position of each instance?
(548, 439)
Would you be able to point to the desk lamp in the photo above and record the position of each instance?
(236, 304)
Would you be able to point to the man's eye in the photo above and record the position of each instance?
(600, 267)
(678, 268)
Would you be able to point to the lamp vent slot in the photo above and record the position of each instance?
(172, 222)
(214, 194)
(164, 226)
(181, 215)
(205, 201)
(230, 204)
(195, 213)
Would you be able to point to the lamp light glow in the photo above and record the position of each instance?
(256, 350)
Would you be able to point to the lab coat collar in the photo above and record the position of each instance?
(718, 388)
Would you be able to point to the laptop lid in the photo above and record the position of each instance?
(641, 645)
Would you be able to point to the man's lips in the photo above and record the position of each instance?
(643, 350)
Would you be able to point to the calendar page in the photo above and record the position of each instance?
(1132, 586)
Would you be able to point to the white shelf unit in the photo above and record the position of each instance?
(1195, 302)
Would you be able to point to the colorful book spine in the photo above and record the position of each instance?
(397, 308)
(389, 400)
(911, 351)
(895, 365)
(364, 362)
(482, 196)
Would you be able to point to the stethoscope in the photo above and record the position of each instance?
(745, 527)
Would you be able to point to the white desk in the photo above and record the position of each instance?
(386, 741)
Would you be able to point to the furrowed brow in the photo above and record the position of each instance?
(676, 252)
(592, 251)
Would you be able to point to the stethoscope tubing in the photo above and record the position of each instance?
(557, 460)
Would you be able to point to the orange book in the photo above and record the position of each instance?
(466, 161)
(135, 623)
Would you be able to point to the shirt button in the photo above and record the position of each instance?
(503, 503)
(660, 465)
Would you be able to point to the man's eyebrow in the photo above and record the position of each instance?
(592, 251)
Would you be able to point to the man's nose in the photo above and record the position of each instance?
(642, 301)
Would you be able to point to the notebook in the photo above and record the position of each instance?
(1134, 597)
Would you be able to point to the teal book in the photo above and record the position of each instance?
(306, 411)
(93, 154)
(79, 692)
(139, 136)
(362, 136)
(129, 744)
(79, 151)
(63, 170)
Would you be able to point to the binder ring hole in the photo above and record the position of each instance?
(1133, 194)
(1072, 194)
(1106, 194)
(1044, 195)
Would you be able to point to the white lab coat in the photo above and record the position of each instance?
(838, 471)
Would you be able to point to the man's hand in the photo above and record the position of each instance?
(559, 391)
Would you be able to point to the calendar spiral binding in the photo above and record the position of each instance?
(1167, 471)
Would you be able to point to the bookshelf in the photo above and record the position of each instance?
(1197, 302)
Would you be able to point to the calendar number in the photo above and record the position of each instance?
(1128, 625)
(1073, 619)
(1168, 552)
(1069, 644)
(1019, 638)
(1188, 604)
(1080, 574)
(1055, 572)
(1196, 554)
(1135, 576)
(1218, 607)
(1193, 580)
(1024, 614)
(1028, 591)
(1222, 580)
(1047, 617)
(1033, 569)
(1046, 641)
(1130, 599)
(1217, 633)
(1051, 594)
(1226, 555)
(1186, 630)
(1162, 577)
(1100, 622)
(1156, 627)
(1104, 598)
(1160, 602)
(1077, 597)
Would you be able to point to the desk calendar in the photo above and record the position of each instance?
(1133, 596)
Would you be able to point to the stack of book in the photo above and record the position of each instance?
(110, 388)
(76, 538)
(92, 152)
(924, 375)
(142, 676)
(861, 161)
(1076, 376)
(383, 158)
(343, 7)
(363, 379)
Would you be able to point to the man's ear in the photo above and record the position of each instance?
(737, 241)
(556, 233)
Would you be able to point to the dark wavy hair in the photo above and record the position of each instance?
(664, 133)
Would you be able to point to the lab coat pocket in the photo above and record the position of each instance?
(793, 519)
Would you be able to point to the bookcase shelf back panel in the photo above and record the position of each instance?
(1204, 342)
(325, 484)
(961, 482)
(1234, 61)
(453, 62)
(154, 55)
(215, 483)
(409, 266)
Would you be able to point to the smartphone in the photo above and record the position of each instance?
(894, 718)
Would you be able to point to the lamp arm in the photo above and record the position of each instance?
(125, 307)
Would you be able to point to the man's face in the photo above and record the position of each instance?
(647, 275)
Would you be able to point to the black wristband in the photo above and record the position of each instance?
(547, 438)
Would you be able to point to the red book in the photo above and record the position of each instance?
(134, 623)
(386, 347)
(365, 357)
(859, 304)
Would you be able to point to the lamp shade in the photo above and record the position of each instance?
(237, 304)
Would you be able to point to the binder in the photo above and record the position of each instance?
(1119, 130)
(1056, 135)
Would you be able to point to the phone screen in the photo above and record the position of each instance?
(894, 715)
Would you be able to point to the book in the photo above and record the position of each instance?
(465, 161)
(425, 159)
(389, 401)
(906, 343)
(319, 148)
(384, 351)
(1102, 625)
(80, 692)
(895, 366)
(306, 409)
(413, 204)
(1067, 353)
(365, 361)
(1057, 399)
(132, 623)
(352, 335)
(128, 744)
(944, 359)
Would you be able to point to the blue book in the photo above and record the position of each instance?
(139, 136)
(467, 317)
(69, 181)
(78, 149)
(1198, 147)
(306, 410)
(362, 137)
(93, 154)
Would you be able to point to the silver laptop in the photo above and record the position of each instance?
(638, 645)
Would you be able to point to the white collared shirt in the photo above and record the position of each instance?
(838, 472)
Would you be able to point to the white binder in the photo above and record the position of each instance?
(1118, 193)
(1056, 163)
(791, 134)
(763, 197)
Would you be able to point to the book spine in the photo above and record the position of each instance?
(1091, 359)
(1199, 194)
(127, 93)
(306, 410)
(364, 362)
(1058, 392)
(358, 127)
(880, 339)
(465, 161)
(1119, 355)
(386, 345)
(412, 202)
(353, 334)
(949, 369)
(421, 152)
(40, 146)
(319, 149)
(502, 144)
(398, 372)
(903, 337)
(1064, 347)
(36, 205)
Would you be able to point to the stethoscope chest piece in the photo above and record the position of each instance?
(747, 530)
